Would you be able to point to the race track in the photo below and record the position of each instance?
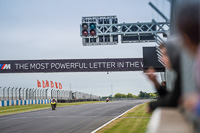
(70, 119)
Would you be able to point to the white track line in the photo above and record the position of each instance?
(112, 120)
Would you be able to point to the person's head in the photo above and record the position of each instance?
(171, 53)
(188, 23)
(165, 56)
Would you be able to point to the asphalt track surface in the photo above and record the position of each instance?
(70, 119)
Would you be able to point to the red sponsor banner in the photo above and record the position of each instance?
(46, 83)
(52, 84)
(60, 86)
(56, 85)
(38, 83)
(43, 84)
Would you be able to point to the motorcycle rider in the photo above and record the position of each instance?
(107, 99)
(53, 103)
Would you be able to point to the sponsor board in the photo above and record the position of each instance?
(71, 65)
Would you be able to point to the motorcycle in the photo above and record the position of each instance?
(107, 100)
(53, 105)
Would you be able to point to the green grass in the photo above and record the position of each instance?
(135, 121)
(26, 108)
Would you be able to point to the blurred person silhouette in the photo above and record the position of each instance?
(197, 68)
(171, 56)
(160, 88)
(189, 28)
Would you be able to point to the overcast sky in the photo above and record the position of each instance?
(50, 29)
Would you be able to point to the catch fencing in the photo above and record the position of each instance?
(24, 96)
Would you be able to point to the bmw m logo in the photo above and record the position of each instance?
(5, 66)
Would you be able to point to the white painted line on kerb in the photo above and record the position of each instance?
(112, 120)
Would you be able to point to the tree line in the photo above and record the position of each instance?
(140, 95)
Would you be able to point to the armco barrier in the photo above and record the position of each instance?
(24, 102)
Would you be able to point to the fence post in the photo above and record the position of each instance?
(40, 94)
(35, 93)
(23, 93)
(8, 93)
(12, 93)
(51, 93)
(43, 93)
(26, 93)
(15, 93)
(46, 93)
(30, 93)
(20, 93)
(58, 92)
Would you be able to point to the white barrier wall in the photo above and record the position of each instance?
(24, 102)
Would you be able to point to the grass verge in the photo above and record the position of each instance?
(135, 121)
(26, 108)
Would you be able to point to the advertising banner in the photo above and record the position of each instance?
(71, 65)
